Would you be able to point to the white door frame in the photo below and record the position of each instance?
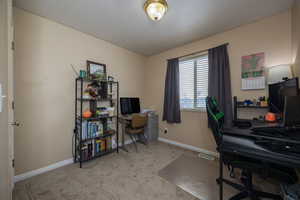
(10, 90)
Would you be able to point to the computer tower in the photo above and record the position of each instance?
(152, 128)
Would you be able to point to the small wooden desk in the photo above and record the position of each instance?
(125, 120)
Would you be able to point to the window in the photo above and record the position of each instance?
(193, 74)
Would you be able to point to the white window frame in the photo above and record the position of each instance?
(194, 57)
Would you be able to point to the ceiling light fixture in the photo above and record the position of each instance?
(156, 9)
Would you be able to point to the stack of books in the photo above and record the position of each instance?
(95, 147)
(91, 129)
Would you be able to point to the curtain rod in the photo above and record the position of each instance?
(195, 53)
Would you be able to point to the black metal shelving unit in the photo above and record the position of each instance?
(79, 142)
(238, 105)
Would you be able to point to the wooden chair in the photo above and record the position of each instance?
(136, 129)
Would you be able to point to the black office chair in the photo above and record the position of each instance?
(247, 165)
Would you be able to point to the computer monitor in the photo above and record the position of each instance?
(278, 91)
(130, 105)
(135, 104)
(291, 116)
(125, 106)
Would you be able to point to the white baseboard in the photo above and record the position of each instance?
(42, 170)
(189, 147)
(48, 168)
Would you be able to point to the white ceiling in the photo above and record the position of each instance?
(124, 23)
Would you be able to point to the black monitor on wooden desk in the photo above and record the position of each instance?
(130, 105)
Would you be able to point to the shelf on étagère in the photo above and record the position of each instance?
(96, 99)
(91, 80)
(99, 137)
(246, 106)
(96, 118)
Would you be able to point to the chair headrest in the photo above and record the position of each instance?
(213, 107)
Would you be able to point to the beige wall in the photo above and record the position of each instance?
(45, 85)
(296, 37)
(5, 192)
(271, 35)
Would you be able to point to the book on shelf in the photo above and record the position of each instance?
(95, 147)
(91, 129)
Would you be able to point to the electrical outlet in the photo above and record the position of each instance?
(165, 131)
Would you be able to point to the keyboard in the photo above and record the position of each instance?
(278, 131)
(280, 147)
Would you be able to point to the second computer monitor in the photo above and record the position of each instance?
(291, 113)
(278, 91)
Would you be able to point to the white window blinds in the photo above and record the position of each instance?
(193, 82)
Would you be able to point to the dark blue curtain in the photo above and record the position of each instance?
(219, 83)
(171, 112)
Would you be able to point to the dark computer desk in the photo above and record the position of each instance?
(233, 131)
(242, 142)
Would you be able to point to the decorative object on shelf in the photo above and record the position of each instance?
(96, 89)
(263, 98)
(156, 9)
(96, 70)
(82, 74)
(92, 89)
(102, 111)
(253, 73)
(87, 114)
(248, 102)
(270, 117)
(86, 95)
(110, 111)
(263, 101)
(264, 104)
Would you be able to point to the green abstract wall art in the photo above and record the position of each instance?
(253, 65)
(253, 73)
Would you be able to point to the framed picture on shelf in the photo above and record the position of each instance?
(96, 70)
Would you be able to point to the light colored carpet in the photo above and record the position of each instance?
(123, 176)
(128, 176)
